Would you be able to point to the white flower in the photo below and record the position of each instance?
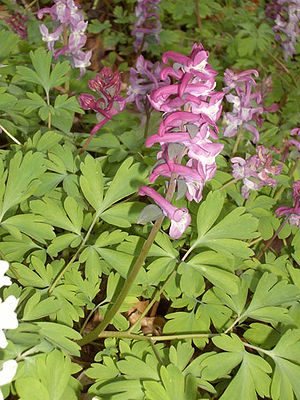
(4, 280)
(8, 317)
(7, 373)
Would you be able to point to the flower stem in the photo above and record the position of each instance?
(229, 183)
(198, 16)
(238, 139)
(30, 4)
(270, 241)
(93, 335)
(148, 116)
(282, 66)
(83, 148)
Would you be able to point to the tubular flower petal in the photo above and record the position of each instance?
(180, 218)
(255, 171)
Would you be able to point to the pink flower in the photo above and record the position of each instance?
(294, 212)
(180, 217)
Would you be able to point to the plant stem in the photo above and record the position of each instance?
(270, 241)
(83, 148)
(133, 336)
(155, 298)
(49, 112)
(229, 183)
(132, 275)
(233, 324)
(148, 115)
(198, 16)
(282, 66)
(125, 289)
(267, 352)
(238, 139)
(67, 83)
(60, 275)
(10, 135)
(30, 4)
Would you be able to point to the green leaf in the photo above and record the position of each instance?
(212, 266)
(22, 180)
(30, 388)
(9, 42)
(135, 368)
(103, 372)
(269, 299)
(91, 182)
(123, 214)
(53, 212)
(60, 336)
(252, 376)
(126, 181)
(27, 277)
(286, 378)
(32, 225)
(251, 379)
(7, 101)
(37, 309)
(225, 236)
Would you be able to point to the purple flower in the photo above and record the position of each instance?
(107, 85)
(294, 212)
(16, 22)
(147, 23)
(180, 217)
(286, 15)
(247, 105)
(50, 38)
(255, 171)
(66, 12)
(144, 79)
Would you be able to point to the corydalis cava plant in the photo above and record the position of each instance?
(147, 25)
(286, 15)
(256, 171)
(144, 78)
(191, 108)
(107, 86)
(247, 105)
(71, 21)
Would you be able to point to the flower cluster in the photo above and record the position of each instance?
(287, 23)
(147, 24)
(8, 320)
(293, 213)
(191, 108)
(247, 105)
(16, 22)
(107, 86)
(67, 14)
(255, 171)
(143, 79)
